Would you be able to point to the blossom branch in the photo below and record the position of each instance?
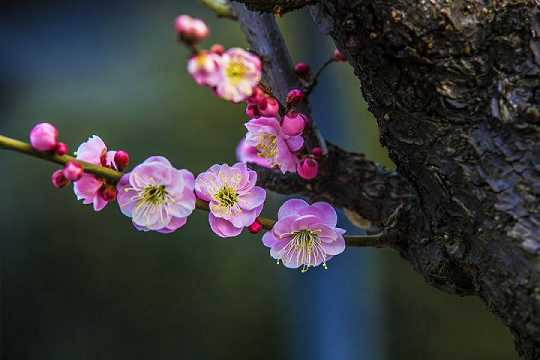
(346, 180)
(114, 176)
(265, 39)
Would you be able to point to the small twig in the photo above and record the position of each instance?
(309, 88)
(222, 8)
(114, 176)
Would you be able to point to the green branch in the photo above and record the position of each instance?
(114, 176)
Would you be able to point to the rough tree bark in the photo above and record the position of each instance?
(455, 88)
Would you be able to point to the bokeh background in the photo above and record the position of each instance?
(82, 285)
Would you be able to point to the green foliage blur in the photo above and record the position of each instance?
(83, 285)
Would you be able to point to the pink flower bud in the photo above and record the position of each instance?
(256, 227)
(293, 123)
(61, 149)
(303, 70)
(58, 179)
(338, 56)
(257, 97)
(317, 152)
(190, 29)
(121, 159)
(108, 192)
(269, 108)
(217, 49)
(252, 111)
(73, 171)
(308, 168)
(43, 137)
(295, 96)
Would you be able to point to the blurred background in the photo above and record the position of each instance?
(76, 284)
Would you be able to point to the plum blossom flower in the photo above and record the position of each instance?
(265, 134)
(305, 235)
(240, 73)
(157, 196)
(235, 201)
(204, 68)
(249, 154)
(87, 189)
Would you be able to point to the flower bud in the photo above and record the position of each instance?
(108, 192)
(338, 56)
(303, 70)
(317, 152)
(58, 179)
(269, 108)
(295, 96)
(293, 123)
(217, 49)
(252, 111)
(190, 30)
(256, 227)
(308, 168)
(43, 137)
(257, 97)
(73, 171)
(121, 159)
(61, 149)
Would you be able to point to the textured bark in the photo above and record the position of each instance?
(455, 88)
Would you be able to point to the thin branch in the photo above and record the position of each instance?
(315, 79)
(222, 8)
(114, 176)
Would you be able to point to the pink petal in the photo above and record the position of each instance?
(252, 199)
(269, 239)
(223, 228)
(336, 247)
(295, 143)
(174, 225)
(291, 207)
(327, 213)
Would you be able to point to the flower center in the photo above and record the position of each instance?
(267, 146)
(306, 246)
(227, 197)
(236, 71)
(153, 194)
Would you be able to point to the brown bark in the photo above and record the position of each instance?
(455, 88)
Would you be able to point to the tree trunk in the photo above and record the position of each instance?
(455, 88)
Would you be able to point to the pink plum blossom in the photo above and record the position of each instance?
(305, 235)
(265, 134)
(205, 69)
(93, 151)
(249, 154)
(240, 73)
(234, 200)
(156, 196)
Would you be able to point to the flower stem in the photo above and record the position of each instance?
(114, 176)
(315, 78)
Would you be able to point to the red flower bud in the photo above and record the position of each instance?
(121, 159)
(269, 108)
(295, 96)
(58, 179)
(252, 111)
(308, 168)
(217, 49)
(61, 149)
(303, 70)
(256, 227)
(317, 152)
(338, 56)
